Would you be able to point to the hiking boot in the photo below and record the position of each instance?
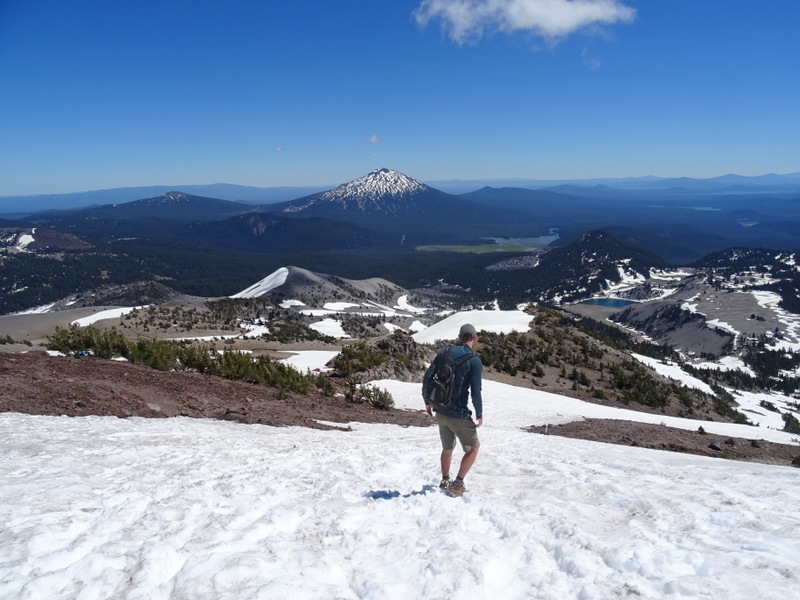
(444, 483)
(456, 488)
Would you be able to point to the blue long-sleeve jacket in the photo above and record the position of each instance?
(467, 380)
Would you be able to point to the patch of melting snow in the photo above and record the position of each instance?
(290, 303)
(404, 305)
(717, 324)
(111, 313)
(330, 327)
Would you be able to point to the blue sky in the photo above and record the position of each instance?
(99, 94)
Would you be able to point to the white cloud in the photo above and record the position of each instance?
(374, 139)
(465, 20)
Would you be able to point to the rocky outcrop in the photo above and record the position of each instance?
(403, 360)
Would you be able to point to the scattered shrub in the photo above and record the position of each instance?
(198, 358)
(166, 356)
(377, 397)
(157, 354)
(7, 339)
(324, 384)
(790, 423)
(368, 394)
(280, 331)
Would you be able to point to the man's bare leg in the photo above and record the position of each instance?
(447, 457)
(467, 461)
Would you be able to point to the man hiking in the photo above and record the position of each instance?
(455, 419)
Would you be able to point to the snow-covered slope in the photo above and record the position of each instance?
(266, 285)
(190, 509)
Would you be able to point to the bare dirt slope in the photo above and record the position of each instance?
(36, 383)
(661, 437)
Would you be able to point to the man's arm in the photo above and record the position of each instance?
(475, 388)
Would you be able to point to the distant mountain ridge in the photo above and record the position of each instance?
(27, 204)
(789, 182)
(179, 217)
(172, 205)
(224, 191)
(388, 209)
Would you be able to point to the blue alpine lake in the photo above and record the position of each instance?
(609, 302)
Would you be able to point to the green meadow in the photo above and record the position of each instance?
(481, 248)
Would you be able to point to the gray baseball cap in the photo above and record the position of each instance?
(467, 329)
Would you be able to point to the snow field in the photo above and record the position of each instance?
(310, 360)
(192, 509)
(497, 321)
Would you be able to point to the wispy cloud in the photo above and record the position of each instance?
(590, 60)
(374, 139)
(467, 20)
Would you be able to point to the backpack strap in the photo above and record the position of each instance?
(464, 358)
(456, 361)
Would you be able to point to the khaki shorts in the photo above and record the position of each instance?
(464, 429)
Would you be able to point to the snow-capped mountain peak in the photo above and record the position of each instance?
(377, 184)
(382, 190)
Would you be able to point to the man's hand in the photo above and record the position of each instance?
(479, 423)
(429, 410)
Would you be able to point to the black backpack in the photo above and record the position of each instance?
(439, 392)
